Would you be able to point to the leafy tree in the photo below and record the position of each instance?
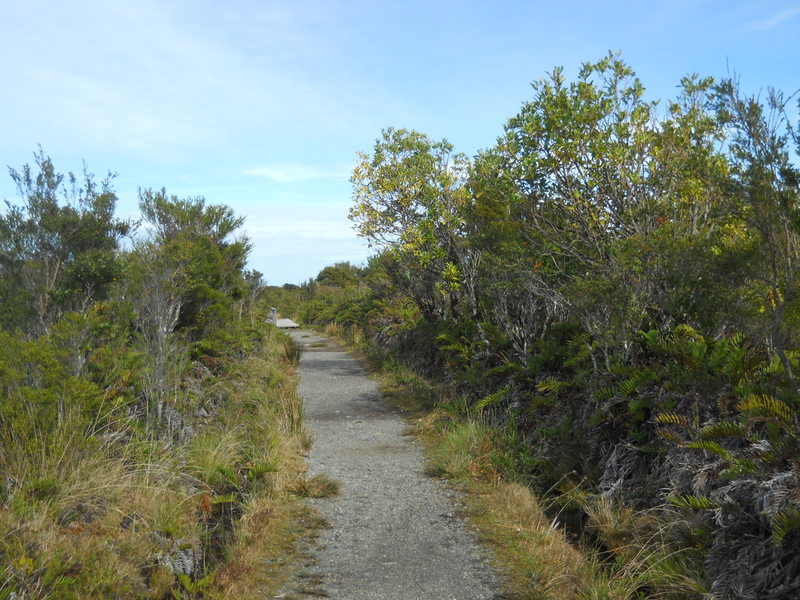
(341, 274)
(184, 280)
(206, 261)
(58, 249)
(409, 197)
(764, 190)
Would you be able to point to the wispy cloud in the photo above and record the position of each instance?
(163, 79)
(289, 173)
(778, 19)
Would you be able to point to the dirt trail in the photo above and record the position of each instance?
(395, 534)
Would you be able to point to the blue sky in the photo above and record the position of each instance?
(263, 105)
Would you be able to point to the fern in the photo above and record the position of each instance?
(668, 435)
(729, 356)
(721, 430)
(692, 502)
(689, 332)
(637, 406)
(505, 368)
(686, 343)
(709, 446)
(651, 338)
(629, 386)
(740, 467)
(767, 406)
(671, 418)
(492, 399)
(598, 417)
(784, 522)
(581, 351)
(260, 470)
(604, 394)
(551, 385)
(774, 366)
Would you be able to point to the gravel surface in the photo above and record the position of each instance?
(395, 534)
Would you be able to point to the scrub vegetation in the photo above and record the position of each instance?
(150, 432)
(599, 318)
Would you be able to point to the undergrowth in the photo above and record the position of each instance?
(562, 544)
(94, 508)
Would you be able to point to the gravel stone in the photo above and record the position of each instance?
(395, 533)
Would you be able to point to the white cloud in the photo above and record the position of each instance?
(778, 19)
(167, 79)
(290, 173)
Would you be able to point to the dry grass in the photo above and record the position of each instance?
(93, 517)
(533, 551)
(316, 486)
(530, 549)
(91, 535)
(271, 540)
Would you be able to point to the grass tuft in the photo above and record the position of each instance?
(316, 486)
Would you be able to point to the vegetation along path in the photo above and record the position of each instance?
(394, 533)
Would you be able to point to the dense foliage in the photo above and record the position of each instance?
(144, 406)
(618, 279)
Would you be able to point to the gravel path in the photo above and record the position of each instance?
(395, 534)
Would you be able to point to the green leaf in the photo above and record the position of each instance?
(671, 418)
(692, 502)
(784, 522)
(767, 406)
(492, 399)
(720, 430)
(709, 446)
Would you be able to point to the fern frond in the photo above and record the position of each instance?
(767, 406)
(720, 430)
(509, 367)
(669, 435)
(709, 446)
(598, 417)
(671, 418)
(740, 467)
(650, 338)
(729, 355)
(784, 522)
(604, 394)
(689, 332)
(551, 385)
(491, 399)
(692, 502)
(581, 352)
(638, 405)
(628, 387)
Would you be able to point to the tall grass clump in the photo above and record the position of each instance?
(95, 504)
